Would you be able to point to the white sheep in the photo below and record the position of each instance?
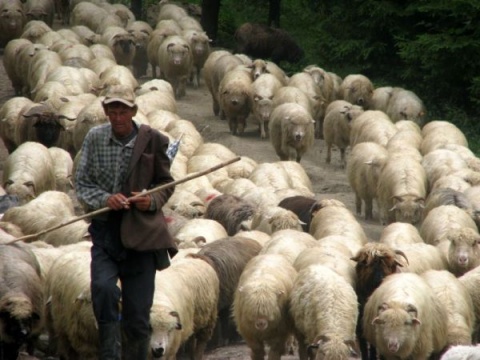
(401, 192)
(449, 196)
(289, 243)
(324, 309)
(364, 166)
(403, 318)
(422, 257)
(10, 114)
(442, 162)
(191, 139)
(260, 67)
(235, 98)
(399, 233)
(456, 299)
(261, 302)
(331, 217)
(29, 171)
(63, 166)
(273, 219)
(263, 91)
(471, 281)
(200, 45)
(10, 57)
(175, 60)
(462, 352)
(357, 89)
(437, 134)
(116, 75)
(406, 105)
(211, 230)
(372, 125)
(298, 177)
(184, 305)
(336, 127)
(292, 94)
(441, 219)
(163, 29)
(380, 98)
(49, 209)
(156, 100)
(291, 130)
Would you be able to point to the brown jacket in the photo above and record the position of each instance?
(149, 167)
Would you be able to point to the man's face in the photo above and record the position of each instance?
(120, 117)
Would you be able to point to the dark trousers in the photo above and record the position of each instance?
(136, 272)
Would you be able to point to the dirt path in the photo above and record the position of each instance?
(329, 181)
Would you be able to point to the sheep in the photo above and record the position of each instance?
(191, 138)
(270, 176)
(455, 298)
(263, 90)
(364, 167)
(380, 98)
(442, 162)
(116, 75)
(235, 99)
(302, 206)
(405, 139)
(12, 20)
(34, 30)
(372, 125)
(122, 44)
(21, 300)
(230, 211)
(228, 256)
(330, 257)
(95, 17)
(63, 166)
(289, 243)
(10, 57)
(291, 94)
(357, 89)
(260, 305)
(24, 57)
(437, 134)
(273, 219)
(422, 257)
(200, 45)
(49, 209)
(461, 352)
(471, 281)
(261, 41)
(333, 218)
(305, 82)
(298, 177)
(156, 100)
(87, 36)
(70, 320)
(171, 11)
(28, 171)
(175, 60)
(441, 219)
(164, 29)
(209, 68)
(73, 78)
(399, 233)
(10, 115)
(336, 127)
(186, 203)
(448, 196)
(259, 236)
(260, 67)
(210, 229)
(461, 248)
(40, 10)
(406, 105)
(90, 116)
(324, 310)
(374, 262)
(401, 191)
(403, 318)
(324, 81)
(291, 130)
(184, 305)
(77, 52)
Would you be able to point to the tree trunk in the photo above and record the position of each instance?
(209, 20)
(137, 9)
(274, 13)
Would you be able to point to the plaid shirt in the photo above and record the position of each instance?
(102, 167)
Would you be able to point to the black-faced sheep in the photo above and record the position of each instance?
(302, 206)
(260, 41)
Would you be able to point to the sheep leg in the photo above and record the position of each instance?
(263, 134)
(342, 157)
(302, 348)
(358, 204)
(329, 153)
(257, 349)
(368, 209)
(216, 107)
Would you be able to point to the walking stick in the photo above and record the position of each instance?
(143, 193)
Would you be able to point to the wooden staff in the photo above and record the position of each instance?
(143, 193)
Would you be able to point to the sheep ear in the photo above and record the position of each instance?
(377, 321)
(178, 325)
(415, 321)
(401, 253)
(369, 162)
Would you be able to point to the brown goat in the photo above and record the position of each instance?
(375, 261)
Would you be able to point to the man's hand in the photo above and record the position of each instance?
(142, 203)
(118, 202)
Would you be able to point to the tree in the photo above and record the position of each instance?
(274, 13)
(209, 19)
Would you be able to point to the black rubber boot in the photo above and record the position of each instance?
(110, 341)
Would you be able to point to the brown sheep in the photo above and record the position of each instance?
(12, 20)
(260, 41)
(302, 206)
(228, 256)
(230, 211)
